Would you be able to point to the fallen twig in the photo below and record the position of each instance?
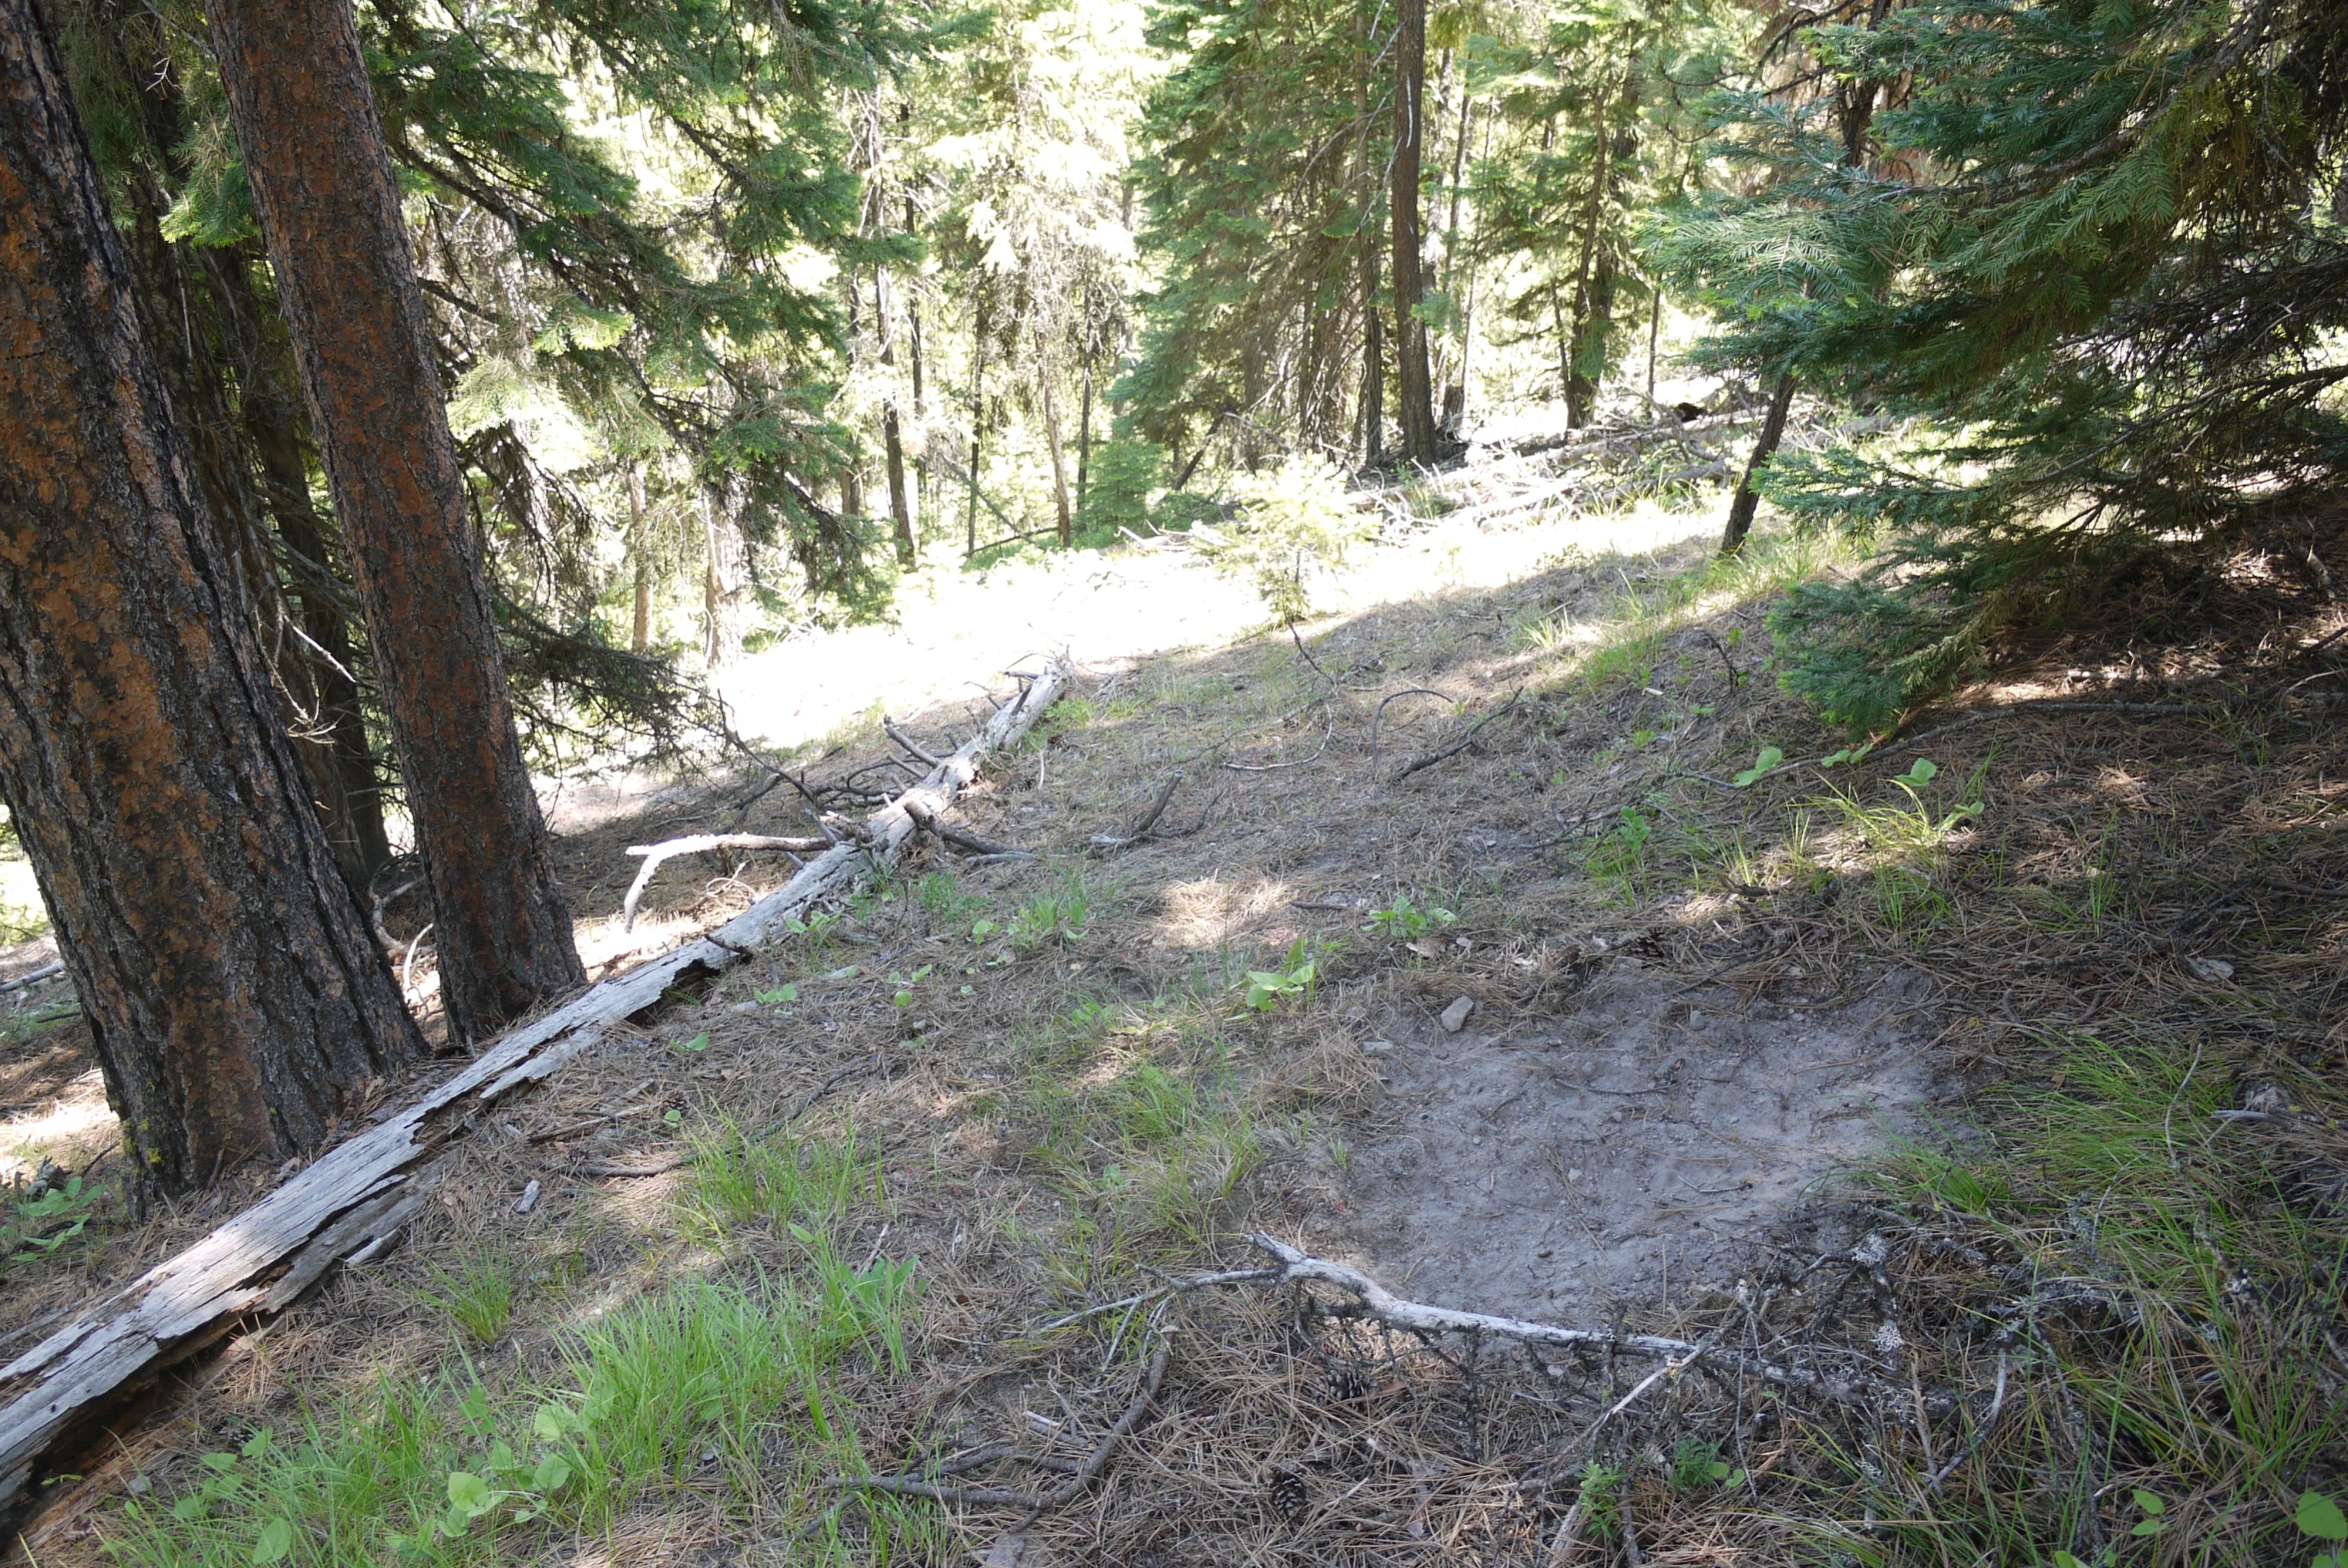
(1418, 1317)
(889, 726)
(47, 972)
(654, 853)
(1378, 717)
(961, 837)
(1087, 1471)
(1141, 829)
(653, 1168)
(1458, 746)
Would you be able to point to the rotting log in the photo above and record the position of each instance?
(356, 1197)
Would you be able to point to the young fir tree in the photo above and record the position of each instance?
(1263, 178)
(2099, 255)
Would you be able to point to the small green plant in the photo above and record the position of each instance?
(1298, 975)
(1290, 519)
(944, 898)
(1602, 1500)
(1056, 917)
(781, 995)
(902, 996)
(477, 1293)
(694, 1047)
(1696, 1463)
(1762, 766)
(47, 1222)
(1405, 922)
(2320, 1519)
(1622, 854)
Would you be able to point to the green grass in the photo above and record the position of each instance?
(477, 1293)
(2174, 1345)
(723, 1386)
(790, 1184)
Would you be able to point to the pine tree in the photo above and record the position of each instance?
(236, 1000)
(2097, 256)
(323, 185)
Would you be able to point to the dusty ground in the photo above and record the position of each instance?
(1690, 1007)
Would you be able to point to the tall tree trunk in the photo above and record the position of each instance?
(1084, 446)
(304, 110)
(1856, 110)
(1748, 500)
(640, 556)
(978, 419)
(237, 1002)
(721, 582)
(1581, 390)
(1456, 390)
(350, 782)
(1068, 532)
(1412, 380)
(891, 436)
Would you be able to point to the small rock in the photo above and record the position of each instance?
(1377, 1047)
(1455, 1015)
(1004, 1551)
(744, 1006)
(528, 1198)
(140, 1486)
(2216, 971)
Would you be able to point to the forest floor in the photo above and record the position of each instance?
(1989, 1088)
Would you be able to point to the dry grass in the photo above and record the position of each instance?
(1056, 1091)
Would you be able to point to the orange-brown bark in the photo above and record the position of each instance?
(236, 998)
(322, 183)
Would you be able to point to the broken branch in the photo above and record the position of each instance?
(961, 837)
(1458, 746)
(654, 853)
(1141, 829)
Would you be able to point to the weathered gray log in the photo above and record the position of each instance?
(354, 1198)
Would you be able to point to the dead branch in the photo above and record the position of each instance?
(650, 1167)
(1375, 1302)
(654, 853)
(1087, 1471)
(889, 727)
(355, 1199)
(1378, 717)
(41, 975)
(1458, 746)
(1141, 829)
(961, 837)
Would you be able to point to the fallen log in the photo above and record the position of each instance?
(354, 1199)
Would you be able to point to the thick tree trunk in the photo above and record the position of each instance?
(640, 558)
(322, 184)
(1412, 379)
(236, 1000)
(1748, 500)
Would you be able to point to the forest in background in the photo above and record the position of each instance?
(403, 405)
(744, 311)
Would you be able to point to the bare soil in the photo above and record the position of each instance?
(1673, 1047)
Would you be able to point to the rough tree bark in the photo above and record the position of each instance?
(235, 998)
(1414, 388)
(304, 110)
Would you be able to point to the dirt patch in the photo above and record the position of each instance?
(1625, 1146)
